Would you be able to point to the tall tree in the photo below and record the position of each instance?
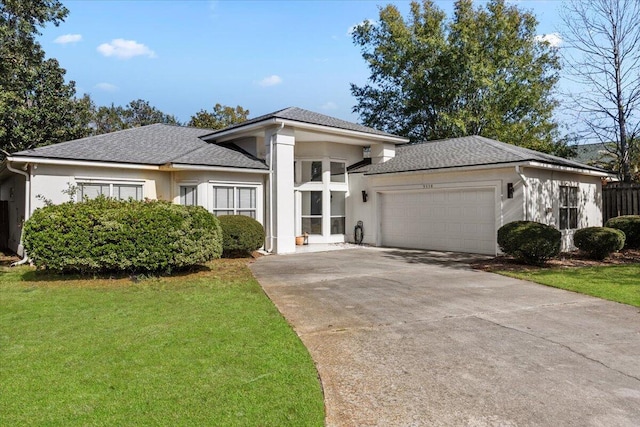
(484, 72)
(602, 40)
(37, 107)
(221, 117)
(137, 113)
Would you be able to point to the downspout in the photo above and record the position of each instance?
(273, 135)
(27, 209)
(524, 192)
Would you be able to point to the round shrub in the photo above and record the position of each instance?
(598, 242)
(241, 235)
(106, 235)
(630, 226)
(529, 242)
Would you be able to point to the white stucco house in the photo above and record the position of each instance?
(298, 172)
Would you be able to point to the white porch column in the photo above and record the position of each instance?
(281, 203)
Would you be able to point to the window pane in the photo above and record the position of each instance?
(312, 225)
(337, 172)
(222, 198)
(312, 203)
(312, 171)
(573, 218)
(246, 198)
(252, 214)
(91, 191)
(573, 197)
(189, 195)
(563, 196)
(337, 203)
(564, 218)
(125, 192)
(337, 225)
(220, 212)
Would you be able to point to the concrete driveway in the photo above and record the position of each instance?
(412, 338)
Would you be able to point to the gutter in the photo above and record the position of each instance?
(27, 208)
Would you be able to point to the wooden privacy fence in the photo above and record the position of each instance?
(619, 198)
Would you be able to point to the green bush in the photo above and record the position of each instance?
(630, 226)
(241, 235)
(529, 242)
(106, 235)
(598, 242)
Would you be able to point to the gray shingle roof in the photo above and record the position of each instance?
(460, 152)
(156, 144)
(220, 155)
(305, 116)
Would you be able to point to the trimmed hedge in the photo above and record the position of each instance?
(241, 235)
(107, 235)
(630, 226)
(529, 242)
(598, 242)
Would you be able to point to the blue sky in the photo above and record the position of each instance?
(184, 56)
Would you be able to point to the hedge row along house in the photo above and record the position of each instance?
(297, 172)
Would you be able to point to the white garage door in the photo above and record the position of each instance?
(446, 220)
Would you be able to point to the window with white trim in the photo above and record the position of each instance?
(568, 207)
(91, 190)
(189, 195)
(232, 200)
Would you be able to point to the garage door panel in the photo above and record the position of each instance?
(450, 220)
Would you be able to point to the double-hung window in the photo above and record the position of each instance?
(234, 200)
(91, 190)
(568, 207)
(189, 195)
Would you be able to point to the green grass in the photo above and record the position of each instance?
(614, 283)
(203, 349)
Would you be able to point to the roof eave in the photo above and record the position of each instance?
(71, 162)
(240, 130)
(533, 164)
(191, 167)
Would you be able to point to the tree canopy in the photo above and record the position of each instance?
(483, 72)
(221, 117)
(602, 40)
(137, 113)
(37, 106)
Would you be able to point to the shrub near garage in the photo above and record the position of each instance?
(599, 242)
(630, 226)
(529, 242)
(104, 235)
(241, 235)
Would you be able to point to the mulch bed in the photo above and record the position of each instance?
(565, 259)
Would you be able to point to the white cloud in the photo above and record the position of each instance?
(330, 105)
(270, 81)
(125, 49)
(554, 39)
(68, 38)
(352, 28)
(107, 87)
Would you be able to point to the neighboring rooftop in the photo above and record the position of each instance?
(595, 154)
(301, 115)
(461, 152)
(156, 144)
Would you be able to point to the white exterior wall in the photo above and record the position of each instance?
(51, 180)
(205, 180)
(506, 210)
(544, 205)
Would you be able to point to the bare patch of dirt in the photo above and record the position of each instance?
(564, 260)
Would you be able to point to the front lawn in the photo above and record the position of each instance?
(619, 283)
(203, 349)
